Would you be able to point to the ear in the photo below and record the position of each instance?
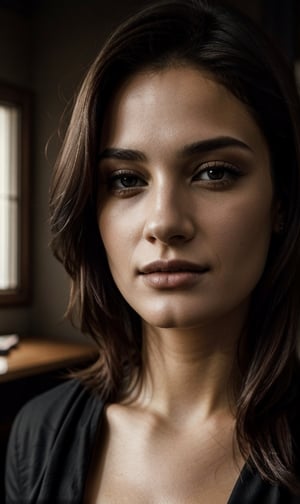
(278, 218)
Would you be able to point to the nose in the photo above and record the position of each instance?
(169, 217)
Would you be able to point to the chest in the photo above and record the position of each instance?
(160, 469)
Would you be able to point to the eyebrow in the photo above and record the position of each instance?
(122, 154)
(212, 144)
(202, 146)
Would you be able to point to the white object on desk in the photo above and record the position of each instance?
(3, 365)
(8, 341)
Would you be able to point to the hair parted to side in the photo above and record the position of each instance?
(222, 42)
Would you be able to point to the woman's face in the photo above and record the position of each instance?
(185, 198)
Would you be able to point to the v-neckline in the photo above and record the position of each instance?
(234, 497)
(244, 474)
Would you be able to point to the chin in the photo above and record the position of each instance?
(195, 316)
(174, 320)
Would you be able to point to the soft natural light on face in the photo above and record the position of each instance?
(9, 153)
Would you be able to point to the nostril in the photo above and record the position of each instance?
(168, 232)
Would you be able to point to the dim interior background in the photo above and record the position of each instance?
(46, 46)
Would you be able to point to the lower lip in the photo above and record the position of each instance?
(172, 280)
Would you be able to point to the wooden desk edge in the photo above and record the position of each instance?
(66, 353)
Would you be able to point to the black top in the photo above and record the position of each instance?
(51, 444)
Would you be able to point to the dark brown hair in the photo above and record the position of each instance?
(227, 45)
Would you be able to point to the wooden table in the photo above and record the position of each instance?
(35, 356)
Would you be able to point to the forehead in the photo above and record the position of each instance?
(180, 104)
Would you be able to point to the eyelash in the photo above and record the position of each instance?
(232, 172)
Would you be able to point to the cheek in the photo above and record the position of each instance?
(108, 232)
(118, 233)
(245, 236)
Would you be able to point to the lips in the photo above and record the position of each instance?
(175, 274)
(173, 266)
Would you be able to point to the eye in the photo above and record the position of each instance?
(217, 173)
(121, 181)
(213, 174)
(127, 180)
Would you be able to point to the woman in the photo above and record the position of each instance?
(174, 209)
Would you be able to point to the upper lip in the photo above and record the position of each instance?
(171, 266)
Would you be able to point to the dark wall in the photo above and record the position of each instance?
(47, 45)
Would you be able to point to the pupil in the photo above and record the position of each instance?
(216, 173)
(129, 181)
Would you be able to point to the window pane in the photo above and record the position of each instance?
(9, 160)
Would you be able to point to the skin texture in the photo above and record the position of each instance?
(170, 213)
(158, 200)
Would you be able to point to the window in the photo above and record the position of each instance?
(9, 195)
(14, 183)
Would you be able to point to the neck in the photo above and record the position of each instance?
(188, 372)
